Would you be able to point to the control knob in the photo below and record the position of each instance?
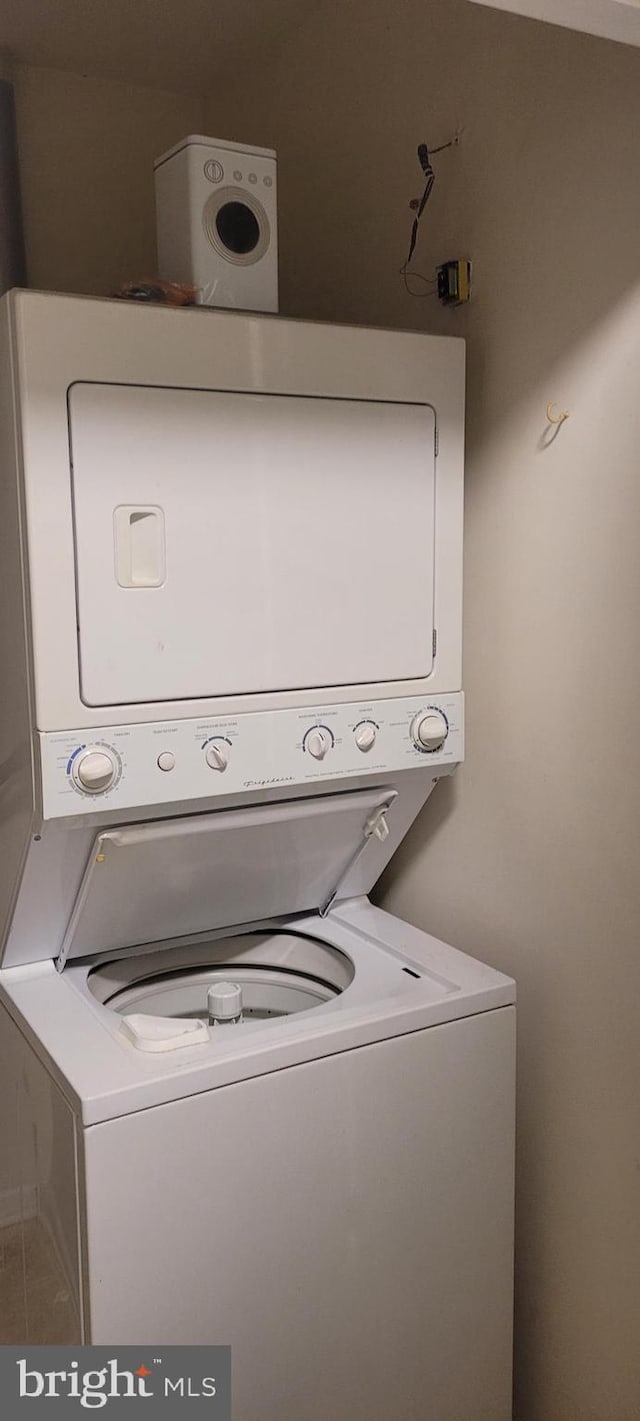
(365, 736)
(429, 730)
(317, 743)
(96, 770)
(217, 755)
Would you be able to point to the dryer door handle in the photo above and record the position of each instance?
(139, 546)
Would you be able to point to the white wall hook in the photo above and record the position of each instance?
(554, 415)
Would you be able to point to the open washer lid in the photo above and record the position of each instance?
(175, 878)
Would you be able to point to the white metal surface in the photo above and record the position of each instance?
(279, 543)
(17, 779)
(357, 1215)
(38, 1199)
(65, 1021)
(199, 181)
(367, 1193)
(271, 749)
(351, 1157)
(59, 851)
(171, 878)
(59, 341)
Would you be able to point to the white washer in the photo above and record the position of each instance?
(241, 1104)
(329, 1191)
(217, 221)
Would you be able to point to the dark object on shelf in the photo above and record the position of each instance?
(163, 293)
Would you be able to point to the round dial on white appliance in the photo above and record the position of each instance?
(217, 755)
(318, 742)
(95, 770)
(429, 730)
(365, 735)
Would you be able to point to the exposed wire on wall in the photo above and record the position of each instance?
(418, 205)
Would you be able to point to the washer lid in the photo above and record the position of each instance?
(173, 878)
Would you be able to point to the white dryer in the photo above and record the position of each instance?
(233, 548)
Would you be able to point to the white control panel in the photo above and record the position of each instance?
(130, 766)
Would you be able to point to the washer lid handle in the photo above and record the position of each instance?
(375, 827)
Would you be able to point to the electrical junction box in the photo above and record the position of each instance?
(454, 282)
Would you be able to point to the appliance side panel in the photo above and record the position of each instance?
(40, 1277)
(449, 524)
(175, 259)
(16, 769)
(346, 1225)
(18, 1199)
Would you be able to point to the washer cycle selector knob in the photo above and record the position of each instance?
(217, 755)
(317, 743)
(429, 730)
(95, 771)
(365, 736)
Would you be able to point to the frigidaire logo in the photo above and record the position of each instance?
(97, 1378)
(275, 780)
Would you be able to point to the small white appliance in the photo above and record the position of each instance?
(217, 221)
(240, 1103)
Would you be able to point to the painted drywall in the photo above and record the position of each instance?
(530, 857)
(86, 151)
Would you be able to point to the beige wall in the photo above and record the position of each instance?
(530, 858)
(87, 148)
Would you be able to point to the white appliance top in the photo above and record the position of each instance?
(224, 143)
(402, 981)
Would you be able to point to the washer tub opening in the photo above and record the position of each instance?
(280, 973)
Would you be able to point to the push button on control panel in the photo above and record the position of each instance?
(166, 761)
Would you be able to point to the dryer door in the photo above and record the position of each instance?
(237, 543)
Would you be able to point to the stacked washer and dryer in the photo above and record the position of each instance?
(246, 1106)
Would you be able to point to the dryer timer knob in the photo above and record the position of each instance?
(429, 730)
(95, 771)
